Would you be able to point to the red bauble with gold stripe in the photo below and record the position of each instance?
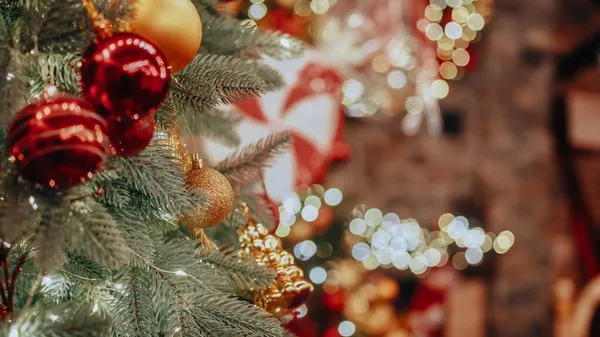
(57, 142)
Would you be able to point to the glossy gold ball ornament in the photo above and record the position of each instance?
(174, 26)
(217, 190)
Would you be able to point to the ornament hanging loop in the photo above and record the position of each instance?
(102, 26)
(205, 241)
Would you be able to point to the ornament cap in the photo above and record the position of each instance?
(197, 163)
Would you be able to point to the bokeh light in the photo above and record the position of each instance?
(346, 328)
(257, 11)
(389, 241)
(333, 197)
(318, 275)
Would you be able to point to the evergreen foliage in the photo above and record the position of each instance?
(109, 258)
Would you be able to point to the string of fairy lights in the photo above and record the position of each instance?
(374, 240)
(453, 37)
(406, 73)
(387, 241)
(258, 10)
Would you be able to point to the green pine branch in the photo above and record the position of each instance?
(260, 209)
(50, 238)
(243, 273)
(156, 174)
(61, 70)
(272, 78)
(13, 86)
(18, 211)
(95, 232)
(134, 306)
(226, 36)
(236, 218)
(215, 124)
(245, 166)
(235, 86)
(66, 320)
(238, 316)
(279, 45)
(114, 262)
(210, 80)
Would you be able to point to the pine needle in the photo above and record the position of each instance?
(245, 166)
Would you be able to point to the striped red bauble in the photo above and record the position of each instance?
(58, 142)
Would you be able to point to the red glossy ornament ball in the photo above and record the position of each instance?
(128, 138)
(124, 76)
(57, 142)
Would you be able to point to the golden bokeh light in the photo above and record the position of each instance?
(444, 55)
(459, 261)
(461, 43)
(454, 3)
(434, 32)
(302, 8)
(460, 14)
(440, 89)
(434, 13)
(509, 235)
(487, 244)
(475, 21)
(448, 70)
(445, 220)
(445, 43)
(381, 63)
(319, 6)
(461, 57)
(469, 34)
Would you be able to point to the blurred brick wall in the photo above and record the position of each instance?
(501, 168)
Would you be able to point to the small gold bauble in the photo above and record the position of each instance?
(174, 26)
(217, 190)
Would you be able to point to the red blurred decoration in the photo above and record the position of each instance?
(273, 207)
(303, 327)
(58, 142)
(334, 302)
(431, 296)
(309, 107)
(125, 76)
(128, 138)
(341, 151)
(286, 22)
(332, 331)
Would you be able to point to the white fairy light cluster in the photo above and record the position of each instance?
(453, 37)
(258, 10)
(389, 242)
(294, 207)
(387, 72)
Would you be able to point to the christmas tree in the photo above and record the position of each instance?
(108, 240)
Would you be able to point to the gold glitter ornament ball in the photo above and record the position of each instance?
(217, 190)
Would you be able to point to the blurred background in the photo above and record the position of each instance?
(445, 176)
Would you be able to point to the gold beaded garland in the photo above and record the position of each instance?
(290, 289)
